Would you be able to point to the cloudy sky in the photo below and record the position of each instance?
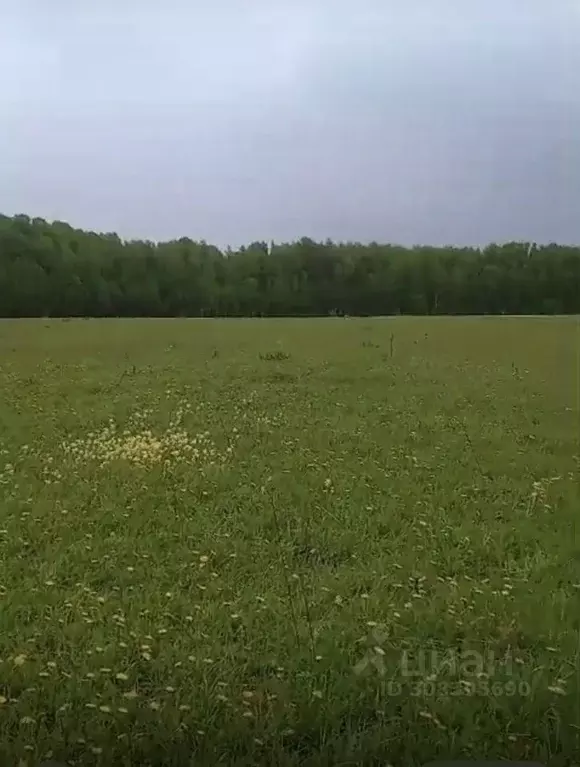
(410, 121)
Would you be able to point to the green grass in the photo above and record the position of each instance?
(319, 505)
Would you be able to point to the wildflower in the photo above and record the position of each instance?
(557, 690)
(131, 695)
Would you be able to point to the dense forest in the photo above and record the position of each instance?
(54, 270)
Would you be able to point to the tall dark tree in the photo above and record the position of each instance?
(52, 269)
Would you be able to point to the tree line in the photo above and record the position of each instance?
(54, 270)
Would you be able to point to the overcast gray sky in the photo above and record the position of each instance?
(410, 121)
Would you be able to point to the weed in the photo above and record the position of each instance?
(276, 356)
(337, 561)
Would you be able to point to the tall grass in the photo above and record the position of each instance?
(360, 547)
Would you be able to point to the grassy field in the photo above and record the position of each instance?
(289, 541)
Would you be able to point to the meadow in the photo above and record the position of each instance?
(293, 542)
